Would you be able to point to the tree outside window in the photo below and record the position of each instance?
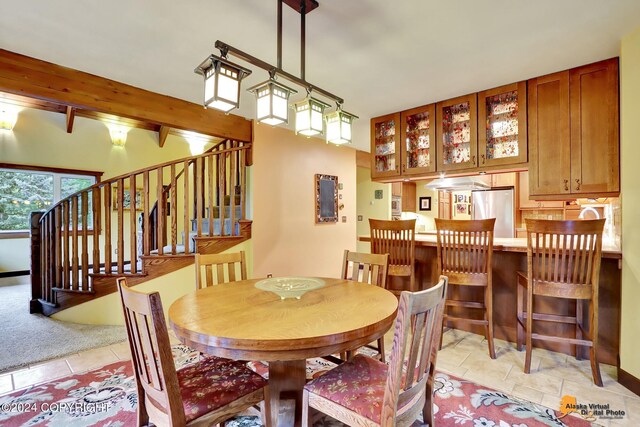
(23, 191)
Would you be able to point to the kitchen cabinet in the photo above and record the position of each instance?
(456, 133)
(417, 139)
(574, 132)
(385, 146)
(503, 180)
(525, 203)
(502, 125)
(407, 193)
(594, 103)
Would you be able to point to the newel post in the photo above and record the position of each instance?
(36, 273)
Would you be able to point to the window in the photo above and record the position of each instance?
(24, 189)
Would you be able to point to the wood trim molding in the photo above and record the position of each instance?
(34, 78)
(629, 381)
(97, 174)
(17, 234)
(4, 274)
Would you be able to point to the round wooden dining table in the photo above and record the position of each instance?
(239, 321)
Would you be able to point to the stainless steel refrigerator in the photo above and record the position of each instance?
(496, 204)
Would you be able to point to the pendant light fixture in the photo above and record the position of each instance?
(339, 126)
(221, 82)
(272, 101)
(310, 116)
(223, 78)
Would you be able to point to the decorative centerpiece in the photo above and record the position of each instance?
(289, 287)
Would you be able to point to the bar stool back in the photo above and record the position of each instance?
(563, 261)
(396, 238)
(465, 251)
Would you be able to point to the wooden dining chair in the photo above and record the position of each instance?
(366, 392)
(563, 261)
(367, 268)
(210, 268)
(208, 392)
(396, 238)
(464, 255)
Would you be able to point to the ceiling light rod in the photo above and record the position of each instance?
(227, 49)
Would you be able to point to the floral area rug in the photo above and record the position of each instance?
(107, 397)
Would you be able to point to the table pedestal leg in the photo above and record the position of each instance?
(287, 377)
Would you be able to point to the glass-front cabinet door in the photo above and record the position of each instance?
(502, 123)
(385, 146)
(418, 135)
(456, 133)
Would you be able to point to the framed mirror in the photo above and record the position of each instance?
(326, 198)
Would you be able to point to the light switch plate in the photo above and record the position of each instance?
(344, 219)
(359, 217)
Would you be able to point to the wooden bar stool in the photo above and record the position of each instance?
(465, 250)
(396, 238)
(563, 261)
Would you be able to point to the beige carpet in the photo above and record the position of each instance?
(26, 339)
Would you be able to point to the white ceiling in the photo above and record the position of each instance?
(381, 56)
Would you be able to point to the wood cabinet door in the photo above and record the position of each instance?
(595, 144)
(444, 205)
(385, 146)
(549, 135)
(417, 139)
(502, 125)
(523, 184)
(457, 133)
(408, 197)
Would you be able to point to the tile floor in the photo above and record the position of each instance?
(463, 355)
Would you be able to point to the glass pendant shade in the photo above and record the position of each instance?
(310, 117)
(272, 102)
(339, 127)
(221, 83)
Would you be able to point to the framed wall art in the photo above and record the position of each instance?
(425, 203)
(326, 198)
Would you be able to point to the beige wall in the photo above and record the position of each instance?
(630, 173)
(40, 138)
(425, 219)
(286, 239)
(368, 206)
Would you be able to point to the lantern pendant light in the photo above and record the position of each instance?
(310, 116)
(339, 125)
(272, 101)
(221, 82)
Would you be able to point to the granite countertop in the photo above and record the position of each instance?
(609, 249)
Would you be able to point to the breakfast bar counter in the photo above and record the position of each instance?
(510, 256)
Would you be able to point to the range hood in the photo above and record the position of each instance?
(458, 184)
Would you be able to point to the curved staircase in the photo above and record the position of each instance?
(192, 205)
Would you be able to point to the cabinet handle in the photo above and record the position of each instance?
(566, 185)
(473, 159)
(482, 157)
(577, 184)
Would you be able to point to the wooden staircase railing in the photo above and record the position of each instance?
(114, 227)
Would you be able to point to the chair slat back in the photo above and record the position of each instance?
(415, 344)
(365, 268)
(155, 371)
(212, 269)
(396, 238)
(464, 247)
(564, 251)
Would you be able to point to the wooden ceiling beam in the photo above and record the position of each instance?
(26, 76)
(163, 132)
(71, 115)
